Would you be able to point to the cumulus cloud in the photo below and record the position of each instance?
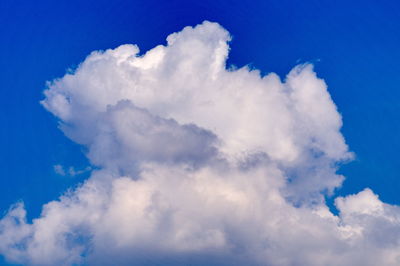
(59, 169)
(69, 171)
(200, 164)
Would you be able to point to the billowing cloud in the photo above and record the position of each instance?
(196, 163)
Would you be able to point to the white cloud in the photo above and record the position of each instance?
(74, 172)
(69, 171)
(201, 164)
(59, 169)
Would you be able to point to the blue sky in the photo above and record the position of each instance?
(353, 45)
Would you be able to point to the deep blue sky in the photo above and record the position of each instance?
(354, 44)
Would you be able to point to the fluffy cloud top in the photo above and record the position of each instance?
(200, 164)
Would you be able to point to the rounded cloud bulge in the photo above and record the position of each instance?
(198, 163)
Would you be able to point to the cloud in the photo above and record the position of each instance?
(74, 172)
(198, 163)
(59, 169)
(70, 171)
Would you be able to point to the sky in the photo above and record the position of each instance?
(295, 139)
